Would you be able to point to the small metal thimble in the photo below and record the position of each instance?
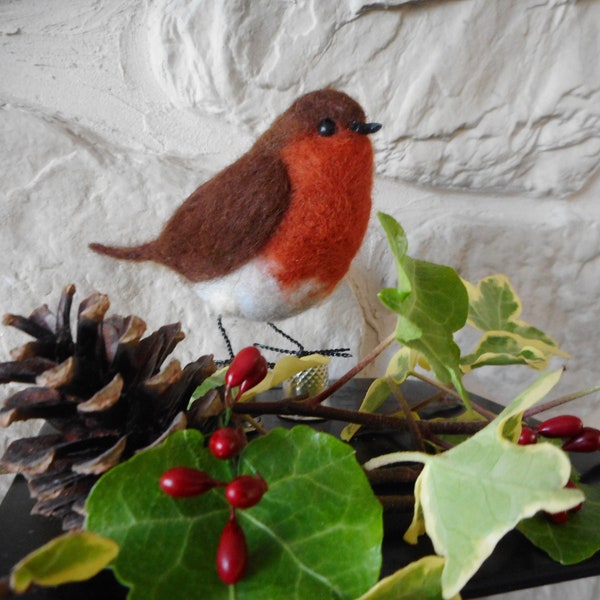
(310, 382)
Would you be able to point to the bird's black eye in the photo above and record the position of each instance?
(326, 127)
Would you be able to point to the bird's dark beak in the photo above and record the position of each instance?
(365, 128)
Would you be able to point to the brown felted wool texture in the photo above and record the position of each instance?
(244, 211)
(223, 224)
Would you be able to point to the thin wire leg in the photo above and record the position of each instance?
(227, 343)
(339, 352)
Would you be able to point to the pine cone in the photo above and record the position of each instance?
(103, 395)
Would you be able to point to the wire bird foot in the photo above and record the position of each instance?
(223, 331)
(299, 351)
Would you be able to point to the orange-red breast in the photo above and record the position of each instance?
(275, 232)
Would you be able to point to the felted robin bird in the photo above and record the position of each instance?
(275, 232)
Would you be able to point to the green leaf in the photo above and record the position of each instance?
(469, 497)
(376, 395)
(74, 556)
(495, 308)
(216, 380)
(398, 369)
(504, 348)
(573, 541)
(402, 364)
(420, 580)
(316, 533)
(431, 302)
(284, 368)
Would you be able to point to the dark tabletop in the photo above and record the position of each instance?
(515, 563)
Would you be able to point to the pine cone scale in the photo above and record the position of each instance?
(35, 403)
(24, 371)
(103, 462)
(105, 398)
(27, 325)
(30, 455)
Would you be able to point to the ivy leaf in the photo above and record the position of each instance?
(419, 580)
(399, 368)
(376, 395)
(320, 522)
(74, 556)
(431, 303)
(284, 368)
(216, 380)
(402, 364)
(495, 308)
(317, 532)
(469, 497)
(504, 348)
(573, 541)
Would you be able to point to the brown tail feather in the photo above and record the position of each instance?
(137, 253)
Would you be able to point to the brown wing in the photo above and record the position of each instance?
(223, 224)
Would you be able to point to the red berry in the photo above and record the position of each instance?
(559, 517)
(562, 426)
(259, 374)
(226, 442)
(245, 491)
(573, 486)
(183, 482)
(247, 369)
(528, 436)
(587, 440)
(242, 365)
(232, 553)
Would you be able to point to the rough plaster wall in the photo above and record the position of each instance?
(112, 112)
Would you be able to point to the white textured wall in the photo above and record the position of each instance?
(112, 112)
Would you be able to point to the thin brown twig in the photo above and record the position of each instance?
(415, 432)
(403, 503)
(395, 474)
(254, 423)
(560, 401)
(344, 379)
(373, 420)
(440, 442)
(5, 590)
(482, 411)
(423, 403)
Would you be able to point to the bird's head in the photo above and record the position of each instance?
(323, 114)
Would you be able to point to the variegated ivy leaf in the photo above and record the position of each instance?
(399, 368)
(495, 308)
(419, 580)
(431, 303)
(73, 556)
(469, 497)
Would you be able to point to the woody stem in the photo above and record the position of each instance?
(559, 401)
(373, 420)
(344, 379)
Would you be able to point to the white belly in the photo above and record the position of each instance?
(253, 293)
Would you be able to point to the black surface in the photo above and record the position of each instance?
(515, 563)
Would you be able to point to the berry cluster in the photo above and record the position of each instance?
(576, 438)
(244, 491)
(569, 428)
